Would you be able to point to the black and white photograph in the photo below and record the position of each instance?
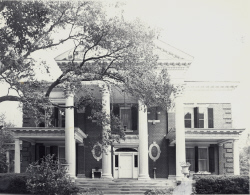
(105, 97)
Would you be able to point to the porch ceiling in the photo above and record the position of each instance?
(39, 134)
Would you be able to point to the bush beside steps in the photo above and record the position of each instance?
(219, 184)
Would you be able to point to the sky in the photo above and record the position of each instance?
(215, 32)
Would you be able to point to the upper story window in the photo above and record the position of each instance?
(58, 117)
(199, 117)
(128, 116)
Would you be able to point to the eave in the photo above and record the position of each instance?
(37, 134)
(198, 134)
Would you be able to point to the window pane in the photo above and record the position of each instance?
(61, 152)
(190, 157)
(202, 165)
(201, 123)
(126, 118)
(201, 115)
(116, 161)
(188, 115)
(136, 160)
(202, 153)
(190, 153)
(187, 123)
(192, 162)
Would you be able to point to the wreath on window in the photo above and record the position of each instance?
(154, 151)
(97, 151)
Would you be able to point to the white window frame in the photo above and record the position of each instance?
(207, 168)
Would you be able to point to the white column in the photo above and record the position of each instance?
(143, 141)
(106, 155)
(17, 156)
(70, 145)
(180, 131)
(236, 157)
(8, 160)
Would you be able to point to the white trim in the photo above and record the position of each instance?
(93, 151)
(154, 158)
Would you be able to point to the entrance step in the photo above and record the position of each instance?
(124, 186)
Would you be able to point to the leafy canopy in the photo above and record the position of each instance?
(107, 49)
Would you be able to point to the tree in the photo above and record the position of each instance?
(107, 49)
(5, 137)
(244, 157)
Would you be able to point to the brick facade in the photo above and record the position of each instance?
(156, 133)
(160, 124)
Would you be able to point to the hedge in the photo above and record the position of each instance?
(13, 183)
(221, 184)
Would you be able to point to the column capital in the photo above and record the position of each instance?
(104, 88)
(69, 93)
(179, 89)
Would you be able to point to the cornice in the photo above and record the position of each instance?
(211, 85)
(211, 134)
(43, 132)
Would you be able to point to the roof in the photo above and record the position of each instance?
(168, 55)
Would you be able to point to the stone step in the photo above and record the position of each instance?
(124, 186)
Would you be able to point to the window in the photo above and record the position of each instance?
(210, 118)
(188, 120)
(199, 117)
(202, 159)
(128, 115)
(61, 154)
(58, 117)
(198, 158)
(116, 161)
(125, 115)
(135, 160)
(190, 157)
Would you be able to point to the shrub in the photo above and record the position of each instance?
(167, 191)
(13, 183)
(221, 184)
(48, 177)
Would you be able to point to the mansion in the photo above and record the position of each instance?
(198, 129)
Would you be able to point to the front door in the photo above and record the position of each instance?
(126, 165)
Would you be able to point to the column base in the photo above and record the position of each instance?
(107, 176)
(143, 177)
(179, 177)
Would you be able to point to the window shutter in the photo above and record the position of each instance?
(196, 117)
(134, 116)
(210, 118)
(196, 156)
(211, 159)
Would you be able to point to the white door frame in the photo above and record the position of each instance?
(116, 170)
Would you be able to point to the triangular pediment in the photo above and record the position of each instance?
(166, 53)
